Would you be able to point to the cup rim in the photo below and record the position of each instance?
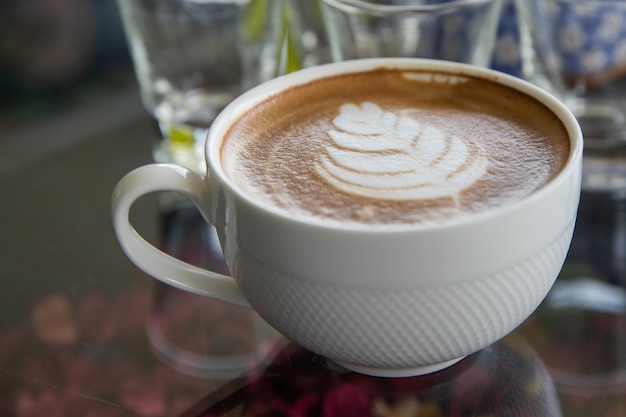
(254, 96)
(360, 5)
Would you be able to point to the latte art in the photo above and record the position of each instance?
(390, 146)
(385, 155)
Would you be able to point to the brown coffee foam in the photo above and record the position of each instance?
(270, 152)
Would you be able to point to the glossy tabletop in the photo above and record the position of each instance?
(85, 333)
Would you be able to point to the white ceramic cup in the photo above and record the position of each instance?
(394, 301)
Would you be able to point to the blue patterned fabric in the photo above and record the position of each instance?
(507, 57)
(591, 35)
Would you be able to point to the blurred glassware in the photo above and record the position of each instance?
(47, 46)
(525, 48)
(588, 43)
(580, 335)
(455, 30)
(205, 338)
(188, 68)
(197, 335)
(590, 38)
(280, 36)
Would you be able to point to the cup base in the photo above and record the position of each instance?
(398, 372)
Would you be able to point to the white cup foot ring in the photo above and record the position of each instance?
(397, 373)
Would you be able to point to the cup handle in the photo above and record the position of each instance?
(172, 271)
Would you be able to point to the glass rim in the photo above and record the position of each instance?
(366, 6)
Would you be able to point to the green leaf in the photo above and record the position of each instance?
(254, 20)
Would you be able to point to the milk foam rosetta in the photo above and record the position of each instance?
(385, 155)
(394, 147)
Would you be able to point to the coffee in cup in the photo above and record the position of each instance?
(393, 215)
(394, 146)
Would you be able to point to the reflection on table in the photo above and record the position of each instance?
(505, 379)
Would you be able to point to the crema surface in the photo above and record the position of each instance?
(394, 146)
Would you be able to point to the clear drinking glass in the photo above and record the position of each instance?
(589, 42)
(187, 65)
(280, 36)
(454, 30)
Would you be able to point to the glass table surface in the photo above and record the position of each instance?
(85, 333)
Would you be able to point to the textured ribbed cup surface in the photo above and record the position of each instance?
(408, 327)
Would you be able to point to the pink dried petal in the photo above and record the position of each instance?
(471, 389)
(48, 403)
(52, 320)
(145, 394)
(305, 405)
(346, 400)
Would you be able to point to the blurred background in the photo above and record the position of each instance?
(58, 54)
